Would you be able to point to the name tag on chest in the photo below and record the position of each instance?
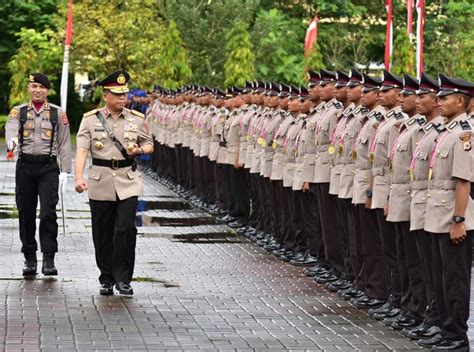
(130, 127)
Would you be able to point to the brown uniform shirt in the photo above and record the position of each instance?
(37, 133)
(450, 158)
(104, 182)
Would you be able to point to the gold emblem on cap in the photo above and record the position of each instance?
(121, 79)
(99, 145)
(32, 78)
(48, 133)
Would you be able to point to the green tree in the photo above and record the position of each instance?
(38, 52)
(15, 15)
(403, 57)
(314, 60)
(110, 35)
(173, 67)
(278, 47)
(203, 25)
(240, 60)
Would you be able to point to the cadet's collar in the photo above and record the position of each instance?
(106, 113)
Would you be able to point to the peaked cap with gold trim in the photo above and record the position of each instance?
(116, 82)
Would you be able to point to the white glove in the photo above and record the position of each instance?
(62, 181)
(12, 143)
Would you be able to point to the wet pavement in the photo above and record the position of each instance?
(193, 291)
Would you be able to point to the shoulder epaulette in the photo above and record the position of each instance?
(439, 127)
(364, 110)
(428, 126)
(465, 125)
(390, 113)
(399, 115)
(329, 104)
(347, 111)
(275, 113)
(90, 113)
(137, 113)
(379, 116)
(421, 120)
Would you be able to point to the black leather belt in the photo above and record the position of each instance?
(37, 158)
(113, 164)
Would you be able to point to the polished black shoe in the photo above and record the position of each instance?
(404, 321)
(338, 285)
(350, 293)
(367, 303)
(380, 310)
(451, 345)
(431, 341)
(388, 321)
(30, 267)
(327, 277)
(124, 289)
(225, 219)
(316, 271)
(394, 312)
(307, 260)
(106, 289)
(237, 224)
(48, 268)
(422, 331)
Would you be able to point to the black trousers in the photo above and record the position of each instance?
(300, 235)
(331, 236)
(312, 224)
(345, 228)
(413, 297)
(115, 236)
(376, 273)
(387, 235)
(288, 226)
(275, 197)
(35, 180)
(451, 267)
(424, 243)
(240, 192)
(356, 248)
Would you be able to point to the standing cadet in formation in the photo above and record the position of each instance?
(113, 135)
(39, 131)
(362, 180)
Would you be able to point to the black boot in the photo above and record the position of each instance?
(48, 265)
(30, 265)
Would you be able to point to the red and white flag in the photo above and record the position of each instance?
(420, 26)
(311, 36)
(410, 6)
(388, 35)
(67, 45)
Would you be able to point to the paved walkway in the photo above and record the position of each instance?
(215, 295)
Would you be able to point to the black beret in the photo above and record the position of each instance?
(39, 78)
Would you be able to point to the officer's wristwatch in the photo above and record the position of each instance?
(368, 193)
(458, 219)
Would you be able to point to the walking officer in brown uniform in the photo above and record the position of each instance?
(40, 132)
(113, 135)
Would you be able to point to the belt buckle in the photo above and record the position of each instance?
(115, 164)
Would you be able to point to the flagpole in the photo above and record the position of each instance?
(388, 36)
(420, 8)
(311, 36)
(65, 70)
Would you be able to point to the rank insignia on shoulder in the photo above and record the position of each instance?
(466, 141)
(390, 113)
(465, 125)
(137, 113)
(399, 115)
(356, 111)
(378, 116)
(347, 111)
(90, 113)
(338, 105)
(328, 105)
(428, 126)
(421, 120)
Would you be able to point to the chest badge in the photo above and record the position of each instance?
(99, 145)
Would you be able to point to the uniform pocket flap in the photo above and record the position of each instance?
(131, 174)
(94, 175)
(443, 153)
